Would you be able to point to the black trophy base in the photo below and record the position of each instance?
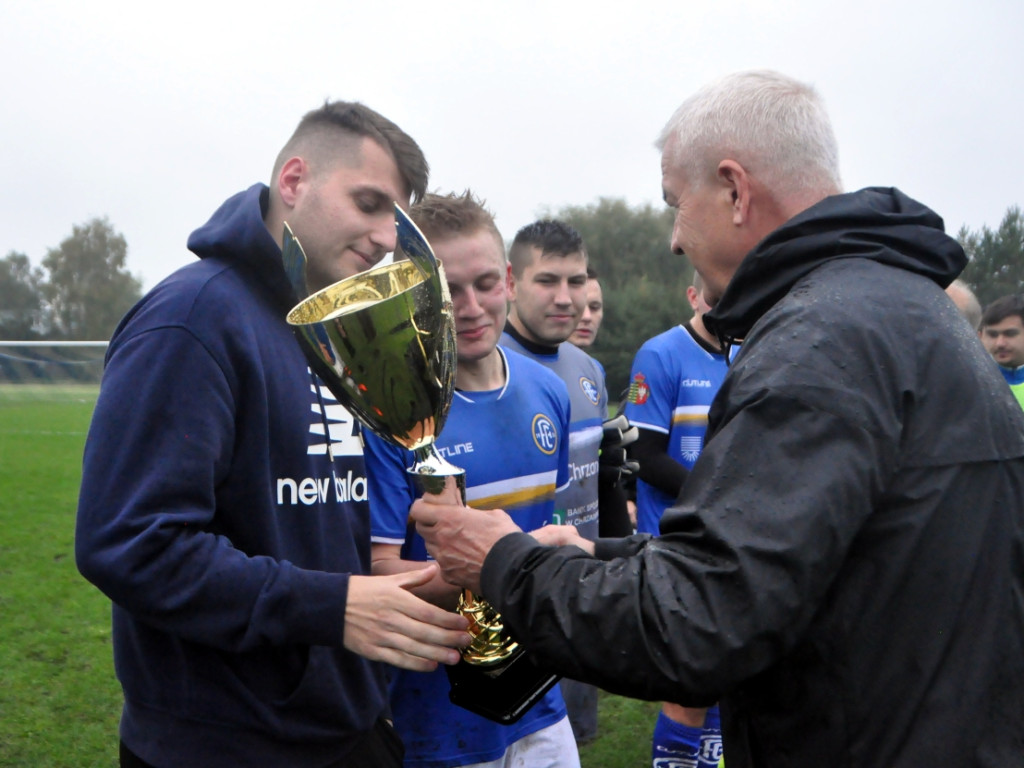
(503, 695)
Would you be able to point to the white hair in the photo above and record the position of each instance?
(775, 127)
(965, 300)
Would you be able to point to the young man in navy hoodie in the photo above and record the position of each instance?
(223, 505)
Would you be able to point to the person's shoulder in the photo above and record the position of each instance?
(194, 296)
(508, 341)
(523, 368)
(667, 339)
(593, 366)
(571, 352)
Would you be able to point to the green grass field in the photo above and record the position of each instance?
(59, 699)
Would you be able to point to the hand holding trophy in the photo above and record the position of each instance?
(383, 342)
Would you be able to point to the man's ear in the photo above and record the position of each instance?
(293, 175)
(736, 181)
(510, 283)
(691, 296)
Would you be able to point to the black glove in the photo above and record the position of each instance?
(614, 464)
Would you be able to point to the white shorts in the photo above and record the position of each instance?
(551, 747)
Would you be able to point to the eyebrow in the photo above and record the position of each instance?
(381, 196)
(557, 275)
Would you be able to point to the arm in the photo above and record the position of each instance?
(738, 574)
(157, 533)
(657, 468)
(394, 546)
(654, 378)
(387, 559)
(460, 538)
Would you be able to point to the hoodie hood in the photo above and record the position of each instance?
(880, 224)
(236, 233)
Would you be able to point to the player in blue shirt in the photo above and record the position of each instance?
(548, 293)
(508, 428)
(675, 377)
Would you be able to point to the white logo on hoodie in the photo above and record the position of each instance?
(343, 432)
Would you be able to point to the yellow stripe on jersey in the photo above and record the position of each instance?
(690, 414)
(514, 492)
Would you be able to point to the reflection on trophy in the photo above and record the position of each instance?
(383, 341)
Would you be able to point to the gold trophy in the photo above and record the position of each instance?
(383, 342)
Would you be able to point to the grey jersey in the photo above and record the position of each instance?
(588, 398)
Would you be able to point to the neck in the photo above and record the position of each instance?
(483, 375)
(697, 323)
(515, 326)
(535, 347)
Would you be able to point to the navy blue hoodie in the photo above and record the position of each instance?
(214, 519)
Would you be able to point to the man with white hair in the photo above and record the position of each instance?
(965, 300)
(842, 569)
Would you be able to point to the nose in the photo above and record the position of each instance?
(563, 296)
(585, 316)
(466, 305)
(384, 234)
(674, 243)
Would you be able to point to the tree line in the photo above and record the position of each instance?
(84, 287)
(80, 292)
(644, 283)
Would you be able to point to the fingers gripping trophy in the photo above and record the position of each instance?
(383, 341)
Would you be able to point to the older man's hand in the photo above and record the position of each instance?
(457, 536)
(561, 536)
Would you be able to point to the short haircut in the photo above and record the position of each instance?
(549, 236)
(328, 133)
(443, 216)
(591, 273)
(1002, 308)
(774, 126)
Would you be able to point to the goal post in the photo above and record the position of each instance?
(45, 369)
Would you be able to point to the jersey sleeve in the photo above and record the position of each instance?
(390, 490)
(651, 391)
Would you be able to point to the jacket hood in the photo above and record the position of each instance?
(881, 224)
(236, 233)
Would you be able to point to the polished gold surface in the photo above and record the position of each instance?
(385, 336)
(491, 646)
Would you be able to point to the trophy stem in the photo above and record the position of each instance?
(431, 469)
(491, 645)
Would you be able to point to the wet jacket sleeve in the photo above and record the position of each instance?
(162, 442)
(747, 554)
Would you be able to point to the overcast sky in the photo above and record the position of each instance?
(152, 114)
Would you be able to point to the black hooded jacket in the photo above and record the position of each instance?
(844, 568)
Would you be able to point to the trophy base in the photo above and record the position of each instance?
(503, 695)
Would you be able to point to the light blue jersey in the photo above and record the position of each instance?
(513, 445)
(673, 381)
(584, 378)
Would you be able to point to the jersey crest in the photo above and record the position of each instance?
(639, 390)
(590, 389)
(545, 435)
